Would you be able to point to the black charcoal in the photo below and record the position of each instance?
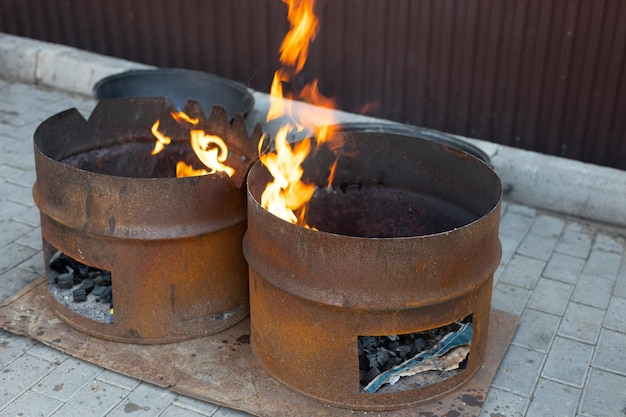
(378, 354)
(106, 276)
(87, 285)
(83, 289)
(83, 271)
(58, 265)
(79, 295)
(103, 294)
(65, 281)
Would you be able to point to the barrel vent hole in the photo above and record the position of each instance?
(401, 362)
(84, 289)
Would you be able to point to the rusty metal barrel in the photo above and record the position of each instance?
(372, 269)
(172, 245)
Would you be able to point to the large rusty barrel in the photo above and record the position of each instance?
(172, 245)
(407, 241)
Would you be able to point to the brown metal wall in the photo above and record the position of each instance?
(546, 75)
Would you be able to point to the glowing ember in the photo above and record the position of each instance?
(211, 150)
(286, 196)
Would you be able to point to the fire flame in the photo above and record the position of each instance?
(162, 140)
(287, 196)
(304, 26)
(211, 150)
(286, 193)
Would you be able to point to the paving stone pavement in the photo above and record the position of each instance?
(565, 277)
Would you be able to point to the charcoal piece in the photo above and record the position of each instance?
(97, 279)
(364, 363)
(103, 294)
(87, 285)
(419, 344)
(370, 374)
(58, 265)
(65, 281)
(392, 361)
(69, 261)
(93, 273)
(98, 290)
(368, 343)
(403, 351)
(77, 278)
(83, 271)
(392, 345)
(378, 358)
(106, 276)
(79, 295)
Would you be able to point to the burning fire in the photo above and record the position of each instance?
(211, 150)
(287, 193)
(286, 196)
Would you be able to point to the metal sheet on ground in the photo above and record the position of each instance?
(221, 369)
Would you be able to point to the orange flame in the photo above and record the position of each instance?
(286, 193)
(304, 26)
(287, 196)
(211, 150)
(162, 140)
(278, 105)
(185, 170)
(184, 117)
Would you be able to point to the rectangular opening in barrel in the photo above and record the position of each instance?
(400, 362)
(81, 288)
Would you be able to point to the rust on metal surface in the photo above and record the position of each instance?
(312, 293)
(173, 245)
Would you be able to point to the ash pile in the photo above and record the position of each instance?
(81, 288)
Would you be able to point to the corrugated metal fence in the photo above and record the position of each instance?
(546, 75)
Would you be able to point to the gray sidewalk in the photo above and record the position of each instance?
(565, 276)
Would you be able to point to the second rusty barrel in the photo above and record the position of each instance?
(407, 241)
(172, 245)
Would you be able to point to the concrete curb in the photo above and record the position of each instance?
(546, 182)
(562, 185)
(69, 69)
